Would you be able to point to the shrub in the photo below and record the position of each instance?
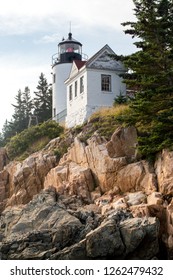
(25, 140)
(120, 99)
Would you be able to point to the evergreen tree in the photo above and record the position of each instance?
(120, 99)
(19, 113)
(41, 106)
(20, 118)
(1, 140)
(28, 106)
(43, 100)
(8, 131)
(150, 73)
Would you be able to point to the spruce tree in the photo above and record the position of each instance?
(1, 140)
(19, 113)
(150, 74)
(28, 105)
(8, 131)
(20, 117)
(43, 100)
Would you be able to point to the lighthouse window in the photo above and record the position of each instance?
(70, 93)
(106, 82)
(75, 89)
(81, 84)
(70, 50)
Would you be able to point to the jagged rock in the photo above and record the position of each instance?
(164, 172)
(98, 202)
(4, 176)
(45, 227)
(132, 233)
(169, 218)
(104, 241)
(109, 203)
(7, 184)
(95, 194)
(110, 170)
(136, 177)
(119, 204)
(169, 229)
(105, 199)
(71, 179)
(19, 182)
(74, 252)
(4, 160)
(159, 212)
(135, 198)
(42, 220)
(96, 157)
(155, 198)
(123, 142)
(140, 210)
(102, 165)
(77, 153)
(140, 234)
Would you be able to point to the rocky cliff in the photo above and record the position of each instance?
(98, 201)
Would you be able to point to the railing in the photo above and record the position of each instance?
(55, 58)
(60, 117)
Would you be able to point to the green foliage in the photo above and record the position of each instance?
(105, 121)
(59, 152)
(24, 107)
(43, 100)
(1, 140)
(20, 117)
(120, 99)
(24, 141)
(150, 74)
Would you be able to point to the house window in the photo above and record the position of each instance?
(75, 89)
(54, 78)
(81, 84)
(70, 92)
(106, 82)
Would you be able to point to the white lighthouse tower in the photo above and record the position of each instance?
(68, 51)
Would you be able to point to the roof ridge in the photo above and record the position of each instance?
(97, 53)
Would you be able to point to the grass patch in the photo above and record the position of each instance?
(113, 112)
(104, 121)
(32, 139)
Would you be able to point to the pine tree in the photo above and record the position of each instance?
(1, 140)
(28, 105)
(19, 113)
(150, 73)
(43, 100)
(24, 106)
(20, 118)
(8, 131)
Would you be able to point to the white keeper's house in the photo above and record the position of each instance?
(81, 86)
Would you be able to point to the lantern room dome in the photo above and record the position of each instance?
(69, 49)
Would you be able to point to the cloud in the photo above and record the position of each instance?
(23, 16)
(46, 39)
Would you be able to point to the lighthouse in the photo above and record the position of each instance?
(68, 50)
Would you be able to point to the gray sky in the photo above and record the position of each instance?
(31, 29)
